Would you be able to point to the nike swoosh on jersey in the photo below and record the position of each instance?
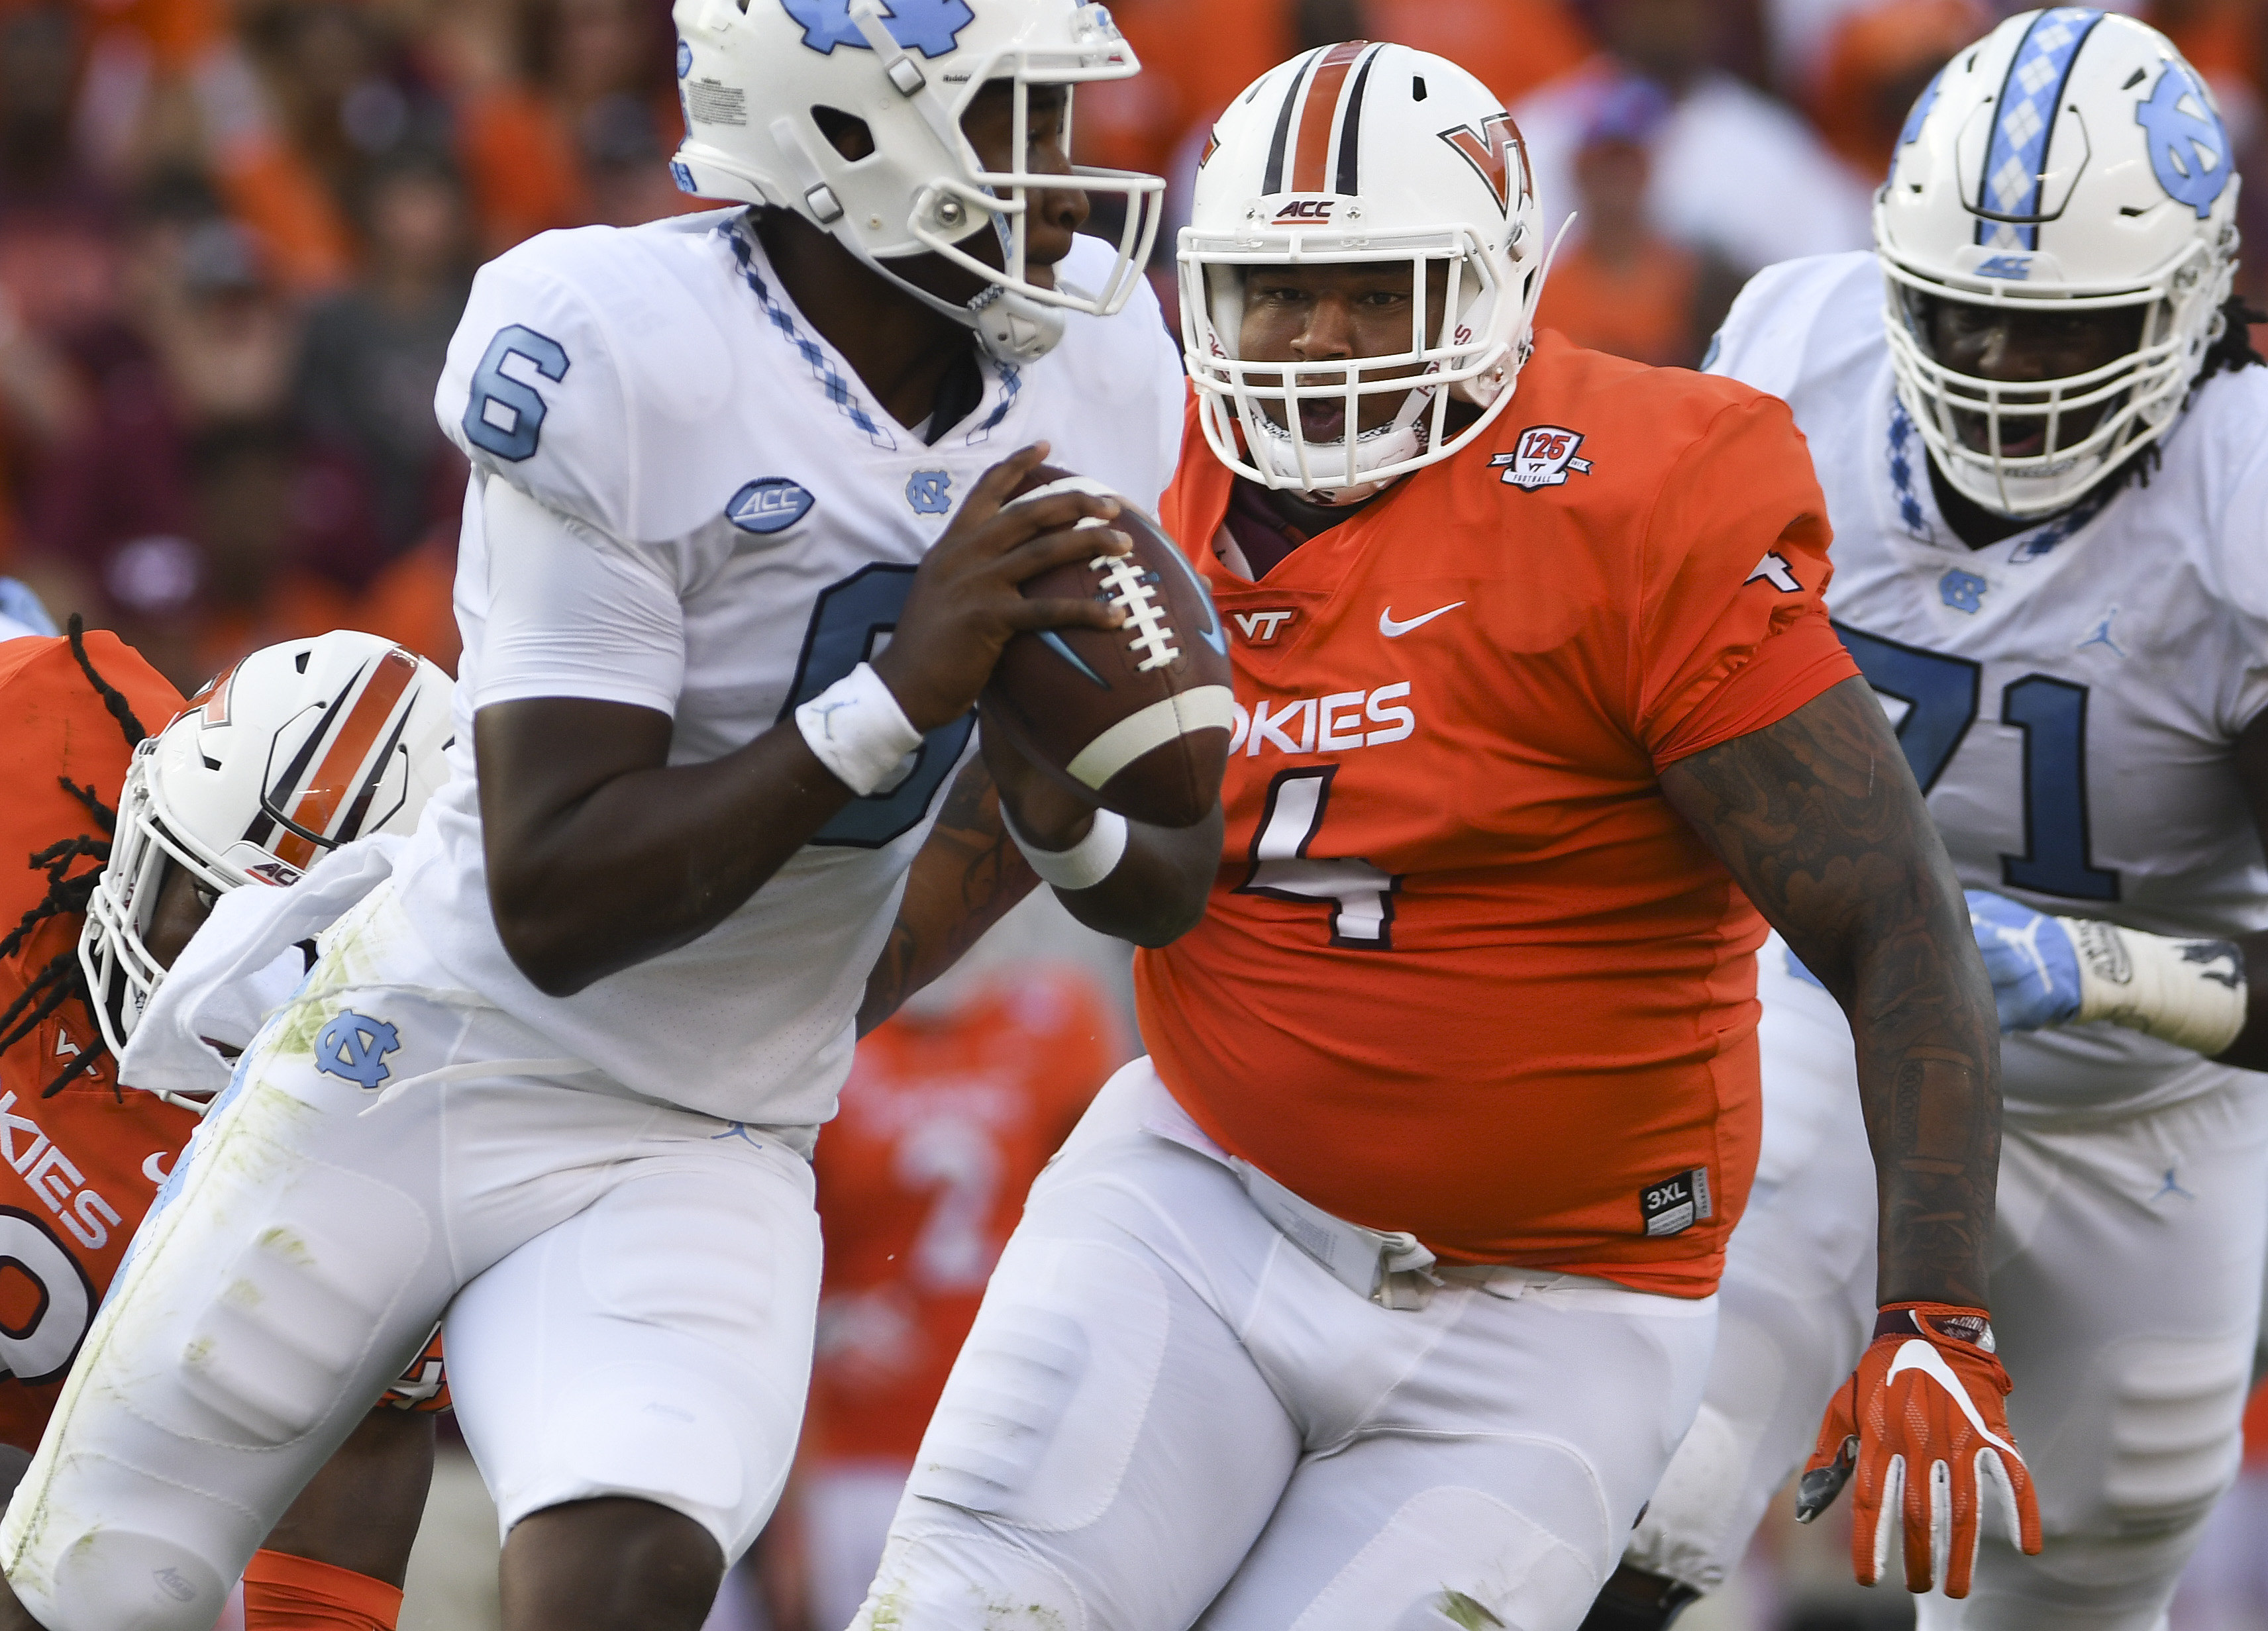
(1394, 630)
(1932, 1364)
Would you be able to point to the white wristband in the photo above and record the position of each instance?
(858, 732)
(1086, 862)
(2190, 993)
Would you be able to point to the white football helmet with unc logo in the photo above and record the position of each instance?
(2069, 162)
(298, 749)
(767, 83)
(1366, 153)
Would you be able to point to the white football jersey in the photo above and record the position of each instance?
(657, 387)
(2069, 697)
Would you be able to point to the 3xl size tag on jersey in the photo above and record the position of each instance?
(1676, 1204)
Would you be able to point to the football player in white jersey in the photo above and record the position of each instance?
(733, 568)
(2043, 439)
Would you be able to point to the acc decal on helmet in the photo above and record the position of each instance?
(301, 747)
(2069, 162)
(1366, 154)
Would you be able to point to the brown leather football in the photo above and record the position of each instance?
(1137, 718)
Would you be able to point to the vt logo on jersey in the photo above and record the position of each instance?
(1489, 150)
(355, 1045)
(1259, 628)
(1544, 456)
(2189, 150)
(931, 27)
(926, 489)
(771, 503)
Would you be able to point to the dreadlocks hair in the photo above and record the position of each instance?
(63, 978)
(2229, 353)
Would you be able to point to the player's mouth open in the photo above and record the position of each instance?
(1323, 421)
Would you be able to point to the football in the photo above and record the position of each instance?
(1137, 718)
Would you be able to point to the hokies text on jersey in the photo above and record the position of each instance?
(1332, 724)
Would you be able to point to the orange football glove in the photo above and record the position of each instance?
(1921, 1424)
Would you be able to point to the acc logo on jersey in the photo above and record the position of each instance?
(931, 27)
(926, 491)
(355, 1045)
(1544, 456)
(770, 504)
(2189, 150)
(1305, 209)
(2015, 269)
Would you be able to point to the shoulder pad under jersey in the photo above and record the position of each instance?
(588, 372)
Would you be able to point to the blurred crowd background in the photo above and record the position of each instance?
(235, 236)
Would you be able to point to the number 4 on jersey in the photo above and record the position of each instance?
(1360, 896)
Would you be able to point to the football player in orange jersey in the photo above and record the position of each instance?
(1378, 1295)
(86, 1162)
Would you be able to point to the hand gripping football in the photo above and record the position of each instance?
(1137, 718)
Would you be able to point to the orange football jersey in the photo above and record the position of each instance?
(944, 1125)
(1464, 972)
(77, 1170)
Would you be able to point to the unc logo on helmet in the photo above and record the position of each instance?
(2189, 150)
(355, 1045)
(931, 27)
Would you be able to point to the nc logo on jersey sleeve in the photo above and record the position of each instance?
(926, 491)
(1544, 456)
(2189, 150)
(355, 1045)
(931, 27)
(768, 504)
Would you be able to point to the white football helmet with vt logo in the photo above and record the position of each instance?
(769, 85)
(1362, 153)
(2069, 163)
(298, 749)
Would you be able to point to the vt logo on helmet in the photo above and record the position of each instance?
(2063, 203)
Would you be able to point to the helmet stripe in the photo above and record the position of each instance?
(335, 779)
(1273, 180)
(2023, 125)
(1349, 181)
(1309, 173)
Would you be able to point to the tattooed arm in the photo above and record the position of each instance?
(969, 873)
(965, 878)
(1819, 819)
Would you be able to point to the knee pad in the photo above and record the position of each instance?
(968, 1579)
(1454, 1559)
(280, 1347)
(2176, 1429)
(113, 1579)
(1039, 1420)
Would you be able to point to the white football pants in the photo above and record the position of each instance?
(1167, 1414)
(629, 1290)
(2126, 1282)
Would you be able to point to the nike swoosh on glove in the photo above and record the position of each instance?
(1922, 1426)
(2030, 960)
